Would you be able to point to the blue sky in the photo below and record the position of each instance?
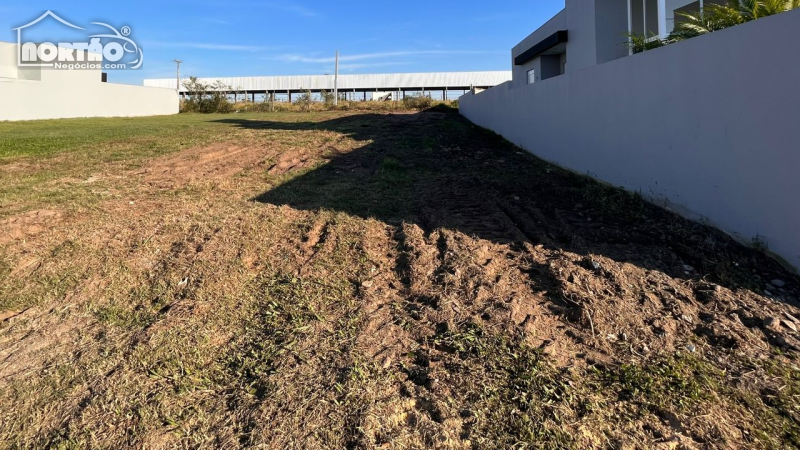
(249, 38)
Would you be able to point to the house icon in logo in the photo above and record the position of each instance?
(107, 49)
(30, 46)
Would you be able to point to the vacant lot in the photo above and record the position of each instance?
(361, 281)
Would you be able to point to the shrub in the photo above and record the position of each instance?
(206, 98)
(304, 101)
(417, 102)
(327, 99)
(639, 43)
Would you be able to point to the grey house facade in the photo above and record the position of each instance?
(591, 32)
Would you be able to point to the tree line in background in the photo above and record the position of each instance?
(208, 98)
(712, 18)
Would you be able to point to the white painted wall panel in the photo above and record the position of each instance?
(34, 100)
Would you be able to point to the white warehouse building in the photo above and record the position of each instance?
(359, 86)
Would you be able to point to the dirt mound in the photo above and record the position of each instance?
(291, 160)
(29, 224)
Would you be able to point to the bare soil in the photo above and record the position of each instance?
(385, 281)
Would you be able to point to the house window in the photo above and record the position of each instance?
(531, 76)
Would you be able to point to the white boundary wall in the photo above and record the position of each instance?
(33, 100)
(710, 126)
(57, 94)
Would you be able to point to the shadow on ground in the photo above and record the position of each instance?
(437, 170)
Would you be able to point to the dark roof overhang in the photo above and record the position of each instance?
(559, 37)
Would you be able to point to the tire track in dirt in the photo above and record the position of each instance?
(382, 338)
(404, 414)
(214, 162)
(438, 283)
(314, 242)
(322, 354)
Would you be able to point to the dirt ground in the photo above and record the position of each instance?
(381, 281)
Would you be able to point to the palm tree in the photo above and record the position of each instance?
(772, 7)
(748, 9)
(718, 17)
(710, 19)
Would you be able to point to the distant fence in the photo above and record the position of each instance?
(710, 126)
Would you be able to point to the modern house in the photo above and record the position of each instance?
(31, 93)
(590, 32)
(706, 126)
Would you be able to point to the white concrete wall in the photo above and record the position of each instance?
(710, 125)
(8, 61)
(31, 94)
(34, 100)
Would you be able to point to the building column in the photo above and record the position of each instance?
(630, 27)
(662, 19)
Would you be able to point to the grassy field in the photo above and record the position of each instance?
(368, 281)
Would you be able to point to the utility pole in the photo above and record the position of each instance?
(178, 78)
(336, 81)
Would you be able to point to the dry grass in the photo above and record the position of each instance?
(339, 280)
